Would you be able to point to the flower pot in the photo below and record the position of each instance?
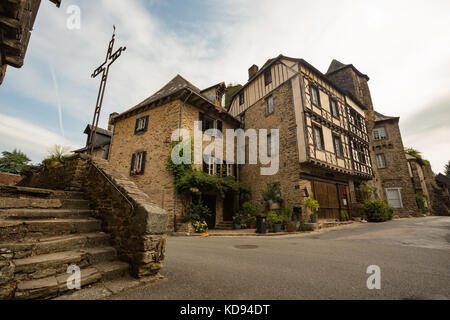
(237, 226)
(290, 228)
(53, 164)
(276, 228)
(314, 218)
(252, 226)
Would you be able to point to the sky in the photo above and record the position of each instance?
(404, 47)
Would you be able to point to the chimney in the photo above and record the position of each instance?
(110, 124)
(252, 71)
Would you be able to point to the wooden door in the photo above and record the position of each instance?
(210, 201)
(228, 207)
(328, 197)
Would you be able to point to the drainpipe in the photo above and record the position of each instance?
(179, 133)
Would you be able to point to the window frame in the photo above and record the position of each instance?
(241, 98)
(399, 191)
(380, 137)
(384, 160)
(322, 141)
(268, 112)
(341, 146)
(138, 162)
(137, 128)
(268, 77)
(338, 115)
(316, 88)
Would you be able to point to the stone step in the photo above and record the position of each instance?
(56, 244)
(53, 286)
(17, 230)
(80, 204)
(38, 193)
(34, 214)
(46, 265)
(224, 225)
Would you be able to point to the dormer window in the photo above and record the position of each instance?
(141, 125)
(268, 77)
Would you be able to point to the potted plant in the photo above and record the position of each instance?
(343, 216)
(56, 157)
(249, 211)
(275, 220)
(272, 196)
(237, 221)
(288, 214)
(200, 226)
(313, 205)
(291, 227)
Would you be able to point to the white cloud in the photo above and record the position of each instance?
(30, 138)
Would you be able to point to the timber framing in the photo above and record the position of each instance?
(17, 19)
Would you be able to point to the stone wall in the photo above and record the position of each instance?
(137, 231)
(396, 173)
(6, 274)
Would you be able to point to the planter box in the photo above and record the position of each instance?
(276, 228)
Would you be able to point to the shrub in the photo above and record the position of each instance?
(378, 210)
(287, 212)
(421, 203)
(199, 211)
(344, 215)
(249, 209)
(200, 226)
(272, 193)
(312, 204)
(275, 218)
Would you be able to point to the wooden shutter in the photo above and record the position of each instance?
(133, 159)
(144, 158)
(136, 126)
(146, 123)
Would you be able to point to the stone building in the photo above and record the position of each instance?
(102, 142)
(142, 142)
(324, 138)
(391, 170)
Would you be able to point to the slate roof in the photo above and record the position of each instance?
(175, 86)
(381, 117)
(336, 66)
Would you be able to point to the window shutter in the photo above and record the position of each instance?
(144, 158)
(133, 159)
(219, 125)
(201, 118)
(136, 126)
(146, 123)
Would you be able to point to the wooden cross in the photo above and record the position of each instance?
(104, 69)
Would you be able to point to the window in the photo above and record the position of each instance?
(138, 163)
(242, 118)
(268, 77)
(394, 197)
(356, 117)
(141, 125)
(209, 166)
(381, 161)
(315, 99)
(230, 170)
(241, 99)
(318, 138)
(361, 152)
(338, 146)
(209, 123)
(379, 133)
(270, 106)
(334, 108)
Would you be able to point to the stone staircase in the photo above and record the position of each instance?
(224, 225)
(42, 233)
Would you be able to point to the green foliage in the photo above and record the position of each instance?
(200, 226)
(365, 188)
(378, 210)
(58, 154)
(13, 162)
(287, 212)
(447, 169)
(421, 203)
(343, 215)
(199, 211)
(418, 155)
(312, 204)
(275, 218)
(249, 209)
(178, 170)
(272, 193)
(239, 219)
(231, 90)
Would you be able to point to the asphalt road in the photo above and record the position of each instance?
(413, 255)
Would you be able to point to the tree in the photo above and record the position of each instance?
(447, 169)
(13, 162)
(231, 90)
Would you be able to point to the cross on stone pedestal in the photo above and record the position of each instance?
(104, 69)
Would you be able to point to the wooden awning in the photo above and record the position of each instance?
(17, 18)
